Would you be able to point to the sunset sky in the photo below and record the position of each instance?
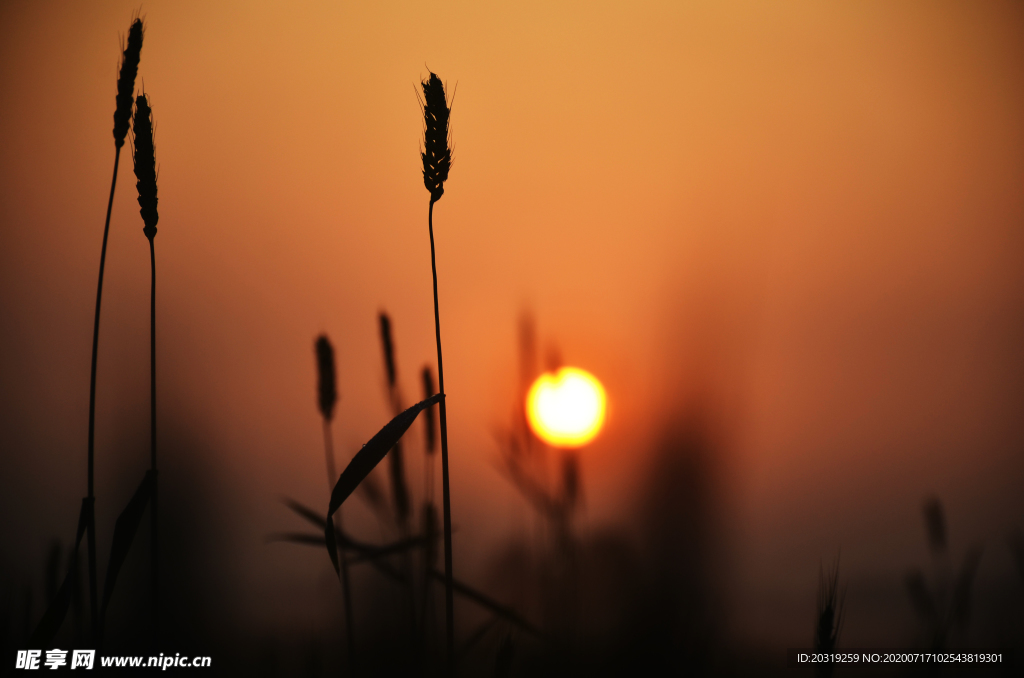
(805, 219)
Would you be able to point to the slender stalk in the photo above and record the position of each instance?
(122, 116)
(332, 473)
(91, 531)
(449, 597)
(154, 522)
(145, 171)
(429, 525)
(346, 587)
(399, 489)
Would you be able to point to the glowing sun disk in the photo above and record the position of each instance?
(566, 409)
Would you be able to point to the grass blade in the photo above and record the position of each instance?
(920, 598)
(319, 542)
(371, 554)
(961, 608)
(366, 552)
(399, 490)
(42, 636)
(365, 460)
(297, 538)
(400, 546)
(477, 636)
(488, 603)
(124, 534)
(306, 512)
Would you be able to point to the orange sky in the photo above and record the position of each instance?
(808, 214)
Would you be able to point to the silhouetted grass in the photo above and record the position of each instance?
(62, 597)
(124, 534)
(429, 520)
(327, 398)
(944, 606)
(364, 461)
(344, 548)
(145, 171)
(829, 617)
(526, 461)
(122, 116)
(437, 161)
(399, 488)
(396, 465)
(128, 521)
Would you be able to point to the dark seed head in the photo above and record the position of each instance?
(126, 82)
(327, 390)
(436, 155)
(145, 165)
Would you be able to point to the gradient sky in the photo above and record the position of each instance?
(808, 215)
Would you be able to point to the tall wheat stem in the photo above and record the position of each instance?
(122, 115)
(91, 498)
(145, 172)
(327, 399)
(346, 587)
(154, 522)
(449, 597)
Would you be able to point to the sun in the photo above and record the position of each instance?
(566, 409)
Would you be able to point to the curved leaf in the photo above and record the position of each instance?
(48, 626)
(364, 461)
(124, 534)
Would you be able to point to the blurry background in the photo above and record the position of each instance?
(799, 225)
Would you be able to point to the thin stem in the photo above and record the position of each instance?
(428, 479)
(155, 553)
(449, 597)
(346, 589)
(332, 473)
(92, 407)
(401, 493)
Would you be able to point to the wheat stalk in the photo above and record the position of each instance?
(430, 435)
(122, 115)
(396, 466)
(399, 490)
(437, 161)
(327, 398)
(144, 155)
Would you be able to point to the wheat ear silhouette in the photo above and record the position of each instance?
(437, 162)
